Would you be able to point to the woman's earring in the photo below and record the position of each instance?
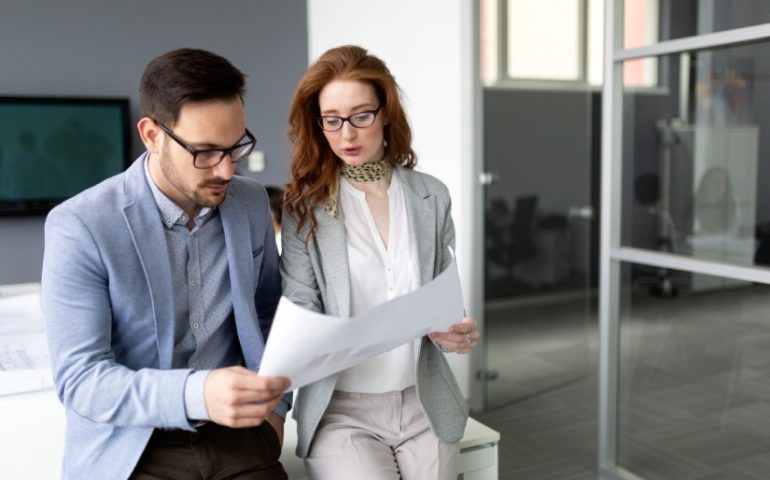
(385, 143)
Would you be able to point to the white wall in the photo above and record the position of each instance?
(430, 47)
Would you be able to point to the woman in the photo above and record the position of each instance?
(362, 227)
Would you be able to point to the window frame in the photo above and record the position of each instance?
(583, 82)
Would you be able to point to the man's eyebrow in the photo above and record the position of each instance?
(215, 146)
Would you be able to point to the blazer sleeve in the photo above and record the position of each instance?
(77, 311)
(447, 232)
(297, 274)
(268, 291)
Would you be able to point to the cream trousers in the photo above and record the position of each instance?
(378, 437)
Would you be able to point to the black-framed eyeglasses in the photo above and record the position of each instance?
(332, 123)
(210, 157)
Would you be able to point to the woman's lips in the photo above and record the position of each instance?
(352, 151)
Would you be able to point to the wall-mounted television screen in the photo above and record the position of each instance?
(52, 148)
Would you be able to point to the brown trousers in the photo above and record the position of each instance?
(212, 452)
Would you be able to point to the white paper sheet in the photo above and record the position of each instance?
(20, 314)
(24, 361)
(306, 346)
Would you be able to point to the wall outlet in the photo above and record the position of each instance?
(257, 161)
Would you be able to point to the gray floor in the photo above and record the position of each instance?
(694, 388)
(695, 385)
(548, 436)
(544, 400)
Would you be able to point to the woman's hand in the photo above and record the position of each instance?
(461, 337)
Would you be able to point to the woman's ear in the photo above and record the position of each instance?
(149, 132)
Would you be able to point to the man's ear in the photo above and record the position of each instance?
(150, 133)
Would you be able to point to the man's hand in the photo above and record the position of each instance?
(237, 397)
(461, 337)
(276, 422)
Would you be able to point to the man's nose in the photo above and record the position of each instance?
(226, 168)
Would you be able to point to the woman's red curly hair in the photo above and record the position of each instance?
(313, 163)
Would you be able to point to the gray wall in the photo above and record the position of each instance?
(98, 48)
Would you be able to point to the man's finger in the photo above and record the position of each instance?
(259, 396)
(253, 381)
(247, 414)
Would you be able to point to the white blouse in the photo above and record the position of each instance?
(379, 274)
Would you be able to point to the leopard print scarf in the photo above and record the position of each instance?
(368, 172)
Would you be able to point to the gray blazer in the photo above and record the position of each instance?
(107, 296)
(315, 276)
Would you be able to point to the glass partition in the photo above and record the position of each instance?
(696, 159)
(651, 21)
(684, 377)
(694, 381)
(539, 237)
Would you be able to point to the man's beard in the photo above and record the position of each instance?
(214, 201)
(174, 179)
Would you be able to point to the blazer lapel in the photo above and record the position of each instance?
(235, 224)
(330, 236)
(146, 228)
(421, 208)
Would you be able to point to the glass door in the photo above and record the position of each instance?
(541, 167)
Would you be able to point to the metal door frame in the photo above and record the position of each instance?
(612, 253)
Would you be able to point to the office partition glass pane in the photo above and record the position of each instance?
(540, 240)
(649, 21)
(694, 379)
(640, 28)
(696, 158)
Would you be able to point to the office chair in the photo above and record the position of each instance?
(522, 247)
(509, 236)
(654, 229)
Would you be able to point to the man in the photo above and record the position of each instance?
(159, 286)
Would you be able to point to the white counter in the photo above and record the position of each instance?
(32, 439)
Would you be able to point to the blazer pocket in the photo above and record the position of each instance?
(257, 252)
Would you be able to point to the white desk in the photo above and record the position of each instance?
(32, 441)
(18, 289)
(32, 438)
(478, 452)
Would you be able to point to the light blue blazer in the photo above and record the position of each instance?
(108, 305)
(316, 276)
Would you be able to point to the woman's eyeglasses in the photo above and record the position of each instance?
(332, 123)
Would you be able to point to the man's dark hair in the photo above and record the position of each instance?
(183, 76)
